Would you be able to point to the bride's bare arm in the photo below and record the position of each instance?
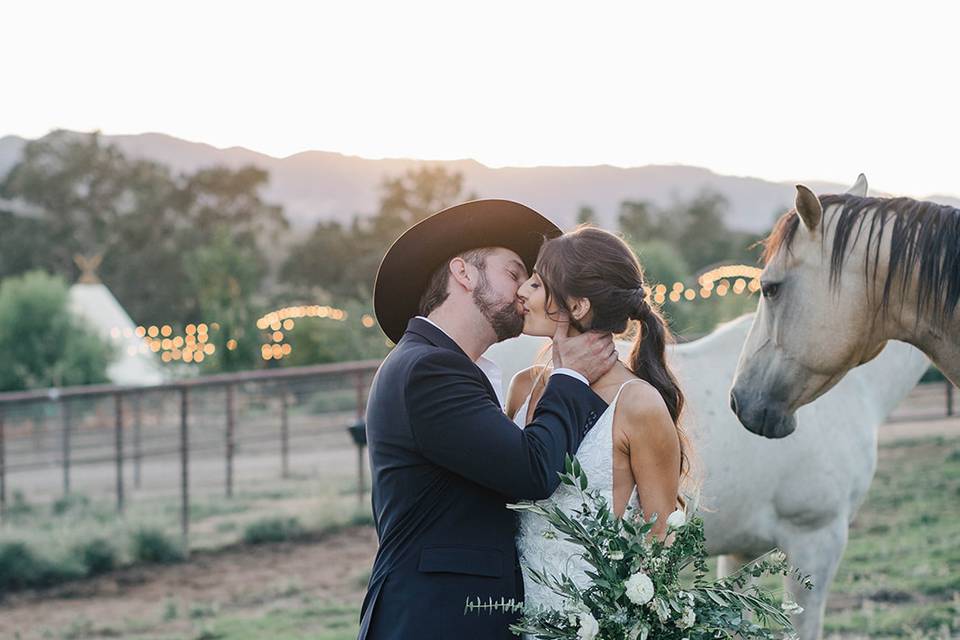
(649, 439)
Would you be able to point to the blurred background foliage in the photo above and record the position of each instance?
(205, 247)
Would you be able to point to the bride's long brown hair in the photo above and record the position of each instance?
(597, 265)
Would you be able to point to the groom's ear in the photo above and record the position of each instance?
(463, 273)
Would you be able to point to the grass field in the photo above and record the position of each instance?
(900, 575)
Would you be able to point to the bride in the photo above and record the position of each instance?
(637, 452)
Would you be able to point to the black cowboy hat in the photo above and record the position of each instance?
(408, 264)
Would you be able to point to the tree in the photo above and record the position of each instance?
(343, 261)
(225, 274)
(586, 215)
(42, 344)
(662, 263)
(637, 221)
(90, 199)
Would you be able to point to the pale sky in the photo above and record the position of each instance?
(782, 91)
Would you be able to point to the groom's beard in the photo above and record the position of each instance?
(506, 320)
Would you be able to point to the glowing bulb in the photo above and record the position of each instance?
(140, 332)
(278, 336)
(166, 330)
(191, 329)
(198, 357)
(209, 349)
(689, 294)
(287, 325)
(367, 321)
(231, 344)
(153, 331)
(286, 349)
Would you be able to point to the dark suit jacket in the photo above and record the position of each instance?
(445, 460)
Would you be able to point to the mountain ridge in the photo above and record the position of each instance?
(316, 185)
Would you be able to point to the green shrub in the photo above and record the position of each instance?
(154, 546)
(71, 502)
(19, 507)
(96, 556)
(272, 530)
(21, 567)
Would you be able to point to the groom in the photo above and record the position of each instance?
(444, 457)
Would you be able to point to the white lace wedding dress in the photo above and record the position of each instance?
(555, 555)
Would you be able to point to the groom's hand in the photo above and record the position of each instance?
(590, 354)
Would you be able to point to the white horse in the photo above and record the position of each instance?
(798, 494)
(843, 274)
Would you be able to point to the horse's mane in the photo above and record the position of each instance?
(925, 240)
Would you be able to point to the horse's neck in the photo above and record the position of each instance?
(941, 342)
(889, 377)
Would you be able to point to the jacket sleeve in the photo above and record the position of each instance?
(457, 426)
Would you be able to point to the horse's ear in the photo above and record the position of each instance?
(808, 207)
(859, 187)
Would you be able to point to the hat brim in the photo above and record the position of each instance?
(405, 270)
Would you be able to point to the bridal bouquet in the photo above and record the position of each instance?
(635, 589)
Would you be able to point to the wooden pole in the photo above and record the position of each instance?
(118, 449)
(184, 472)
(231, 438)
(65, 410)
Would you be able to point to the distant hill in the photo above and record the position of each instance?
(322, 185)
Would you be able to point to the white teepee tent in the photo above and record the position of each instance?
(90, 300)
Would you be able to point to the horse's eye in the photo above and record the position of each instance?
(770, 289)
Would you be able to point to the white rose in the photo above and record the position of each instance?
(791, 607)
(677, 519)
(639, 588)
(589, 627)
(689, 617)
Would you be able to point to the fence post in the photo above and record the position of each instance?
(65, 410)
(118, 449)
(284, 434)
(361, 398)
(949, 398)
(3, 469)
(137, 449)
(358, 432)
(231, 439)
(184, 484)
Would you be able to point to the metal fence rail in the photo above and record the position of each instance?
(201, 418)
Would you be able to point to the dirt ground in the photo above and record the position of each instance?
(330, 569)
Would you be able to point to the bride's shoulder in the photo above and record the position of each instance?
(522, 385)
(641, 411)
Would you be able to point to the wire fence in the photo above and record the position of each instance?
(170, 438)
(199, 436)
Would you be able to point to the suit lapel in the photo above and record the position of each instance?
(438, 338)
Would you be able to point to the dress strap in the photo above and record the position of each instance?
(617, 397)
